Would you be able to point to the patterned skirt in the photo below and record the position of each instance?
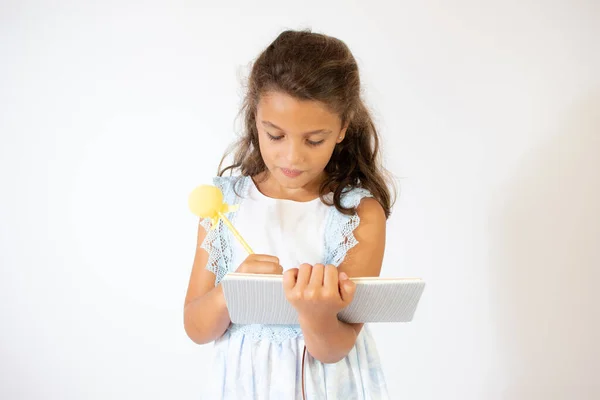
(266, 369)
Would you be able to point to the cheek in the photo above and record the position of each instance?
(323, 156)
(320, 158)
(267, 150)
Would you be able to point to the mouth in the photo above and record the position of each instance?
(291, 173)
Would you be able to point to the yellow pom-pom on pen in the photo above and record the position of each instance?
(207, 202)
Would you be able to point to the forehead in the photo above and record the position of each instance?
(288, 112)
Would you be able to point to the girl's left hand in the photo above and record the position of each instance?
(319, 291)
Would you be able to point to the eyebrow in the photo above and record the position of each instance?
(318, 131)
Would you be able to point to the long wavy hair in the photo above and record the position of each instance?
(311, 66)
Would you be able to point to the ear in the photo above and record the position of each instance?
(342, 134)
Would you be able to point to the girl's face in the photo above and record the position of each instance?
(296, 138)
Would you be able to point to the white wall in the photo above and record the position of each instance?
(111, 113)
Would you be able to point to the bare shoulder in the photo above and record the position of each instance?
(366, 257)
(370, 210)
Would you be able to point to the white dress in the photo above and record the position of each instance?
(264, 362)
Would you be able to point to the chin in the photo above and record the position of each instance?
(291, 183)
(295, 182)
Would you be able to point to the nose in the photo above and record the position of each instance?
(294, 154)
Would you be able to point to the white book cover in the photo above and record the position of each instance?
(260, 299)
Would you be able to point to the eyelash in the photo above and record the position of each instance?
(310, 143)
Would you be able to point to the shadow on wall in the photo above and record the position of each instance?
(545, 252)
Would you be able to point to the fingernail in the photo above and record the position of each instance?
(343, 276)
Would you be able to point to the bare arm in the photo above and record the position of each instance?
(205, 313)
(328, 339)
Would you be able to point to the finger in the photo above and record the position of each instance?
(347, 290)
(304, 273)
(264, 257)
(289, 279)
(330, 280)
(275, 269)
(316, 276)
(259, 267)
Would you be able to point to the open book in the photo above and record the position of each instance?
(260, 299)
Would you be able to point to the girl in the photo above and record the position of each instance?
(313, 202)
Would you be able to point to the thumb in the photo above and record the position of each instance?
(289, 279)
(347, 288)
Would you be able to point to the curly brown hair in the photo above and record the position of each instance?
(312, 66)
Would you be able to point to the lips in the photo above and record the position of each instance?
(291, 173)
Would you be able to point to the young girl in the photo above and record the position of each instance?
(313, 205)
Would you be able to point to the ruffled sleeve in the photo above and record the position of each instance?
(339, 228)
(217, 241)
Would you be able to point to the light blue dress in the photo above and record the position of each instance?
(264, 361)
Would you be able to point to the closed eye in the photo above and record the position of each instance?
(309, 142)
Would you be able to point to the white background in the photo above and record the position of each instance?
(112, 112)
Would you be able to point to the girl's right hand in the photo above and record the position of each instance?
(260, 264)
